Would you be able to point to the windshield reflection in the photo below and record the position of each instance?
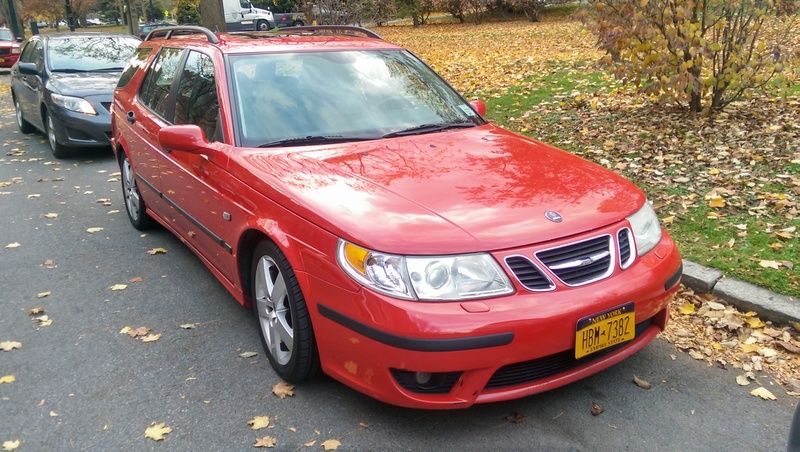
(87, 54)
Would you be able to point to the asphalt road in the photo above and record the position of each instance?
(106, 388)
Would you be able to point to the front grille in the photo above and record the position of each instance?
(535, 369)
(440, 382)
(5, 51)
(581, 262)
(624, 241)
(529, 274)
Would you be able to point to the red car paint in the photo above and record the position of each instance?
(9, 53)
(460, 191)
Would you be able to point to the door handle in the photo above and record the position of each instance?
(131, 117)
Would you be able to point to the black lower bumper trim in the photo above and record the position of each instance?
(674, 279)
(422, 345)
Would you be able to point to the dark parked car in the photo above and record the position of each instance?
(63, 84)
(144, 29)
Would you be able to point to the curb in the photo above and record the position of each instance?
(744, 296)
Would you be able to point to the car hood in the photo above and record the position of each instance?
(477, 189)
(83, 84)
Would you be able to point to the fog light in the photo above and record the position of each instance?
(422, 378)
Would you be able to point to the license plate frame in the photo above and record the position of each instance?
(605, 329)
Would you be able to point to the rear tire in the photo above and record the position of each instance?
(283, 319)
(134, 203)
(298, 23)
(24, 126)
(59, 150)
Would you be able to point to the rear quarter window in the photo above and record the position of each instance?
(137, 60)
(158, 81)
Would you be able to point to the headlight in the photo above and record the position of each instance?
(425, 277)
(73, 103)
(646, 230)
(15, 50)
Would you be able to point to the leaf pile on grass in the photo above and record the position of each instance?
(753, 351)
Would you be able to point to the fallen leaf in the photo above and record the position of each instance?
(135, 332)
(93, 230)
(10, 445)
(13, 245)
(330, 444)
(8, 379)
(36, 311)
(136, 279)
(310, 443)
(7, 346)
(154, 251)
(53, 414)
(248, 354)
(151, 337)
(789, 347)
(267, 441)
(687, 308)
(157, 432)
(754, 322)
(51, 215)
(258, 422)
(596, 409)
(188, 326)
(642, 383)
(763, 393)
(43, 294)
(749, 348)
(742, 380)
(49, 263)
(716, 306)
(770, 264)
(283, 390)
(44, 320)
(119, 287)
(716, 201)
(696, 355)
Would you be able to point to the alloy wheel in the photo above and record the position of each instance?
(272, 305)
(130, 191)
(51, 133)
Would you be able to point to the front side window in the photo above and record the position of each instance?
(27, 52)
(158, 81)
(90, 54)
(136, 61)
(358, 94)
(197, 101)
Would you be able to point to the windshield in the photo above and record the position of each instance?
(87, 54)
(5, 35)
(340, 95)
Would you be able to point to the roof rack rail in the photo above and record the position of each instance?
(168, 32)
(327, 28)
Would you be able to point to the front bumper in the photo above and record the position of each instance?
(76, 129)
(483, 351)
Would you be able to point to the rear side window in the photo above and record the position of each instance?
(158, 81)
(197, 101)
(136, 61)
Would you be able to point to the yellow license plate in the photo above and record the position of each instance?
(2, 60)
(605, 329)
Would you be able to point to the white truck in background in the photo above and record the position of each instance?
(240, 15)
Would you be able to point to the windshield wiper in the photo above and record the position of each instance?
(428, 128)
(69, 70)
(109, 69)
(312, 139)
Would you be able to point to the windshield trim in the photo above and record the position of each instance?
(234, 93)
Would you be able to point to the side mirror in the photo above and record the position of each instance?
(28, 68)
(184, 138)
(479, 106)
(19, 39)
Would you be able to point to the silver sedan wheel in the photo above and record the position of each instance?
(131, 192)
(19, 113)
(51, 133)
(274, 315)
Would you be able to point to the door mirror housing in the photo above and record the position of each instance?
(183, 138)
(479, 106)
(19, 39)
(28, 68)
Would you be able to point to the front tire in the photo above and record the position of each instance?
(59, 150)
(283, 319)
(262, 25)
(24, 126)
(134, 203)
(298, 23)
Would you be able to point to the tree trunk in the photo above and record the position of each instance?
(212, 16)
(415, 20)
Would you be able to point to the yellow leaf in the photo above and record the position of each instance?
(154, 251)
(8, 379)
(267, 441)
(258, 422)
(10, 445)
(43, 294)
(93, 230)
(119, 287)
(248, 354)
(283, 390)
(749, 348)
(770, 264)
(716, 201)
(763, 393)
(331, 444)
(157, 432)
(151, 337)
(687, 308)
(13, 245)
(7, 346)
(754, 322)
(51, 215)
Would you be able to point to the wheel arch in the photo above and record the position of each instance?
(244, 258)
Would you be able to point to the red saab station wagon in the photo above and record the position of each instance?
(381, 229)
